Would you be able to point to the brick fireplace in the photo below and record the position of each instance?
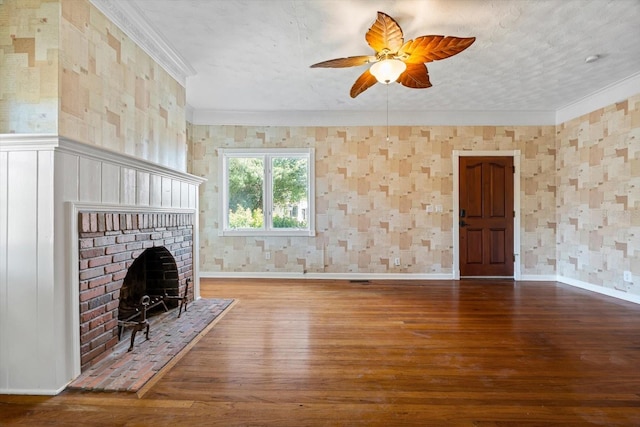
(109, 243)
(70, 207)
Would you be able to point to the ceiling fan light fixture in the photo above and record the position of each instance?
(385, 37)
(387, 70)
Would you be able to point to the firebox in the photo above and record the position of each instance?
(153, 273)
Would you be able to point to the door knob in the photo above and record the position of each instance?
(462, 223)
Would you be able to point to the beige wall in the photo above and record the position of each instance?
(580, 197)
(29, 66)
(598, 173)
(115, 95)
(371, 196)
(68, 70)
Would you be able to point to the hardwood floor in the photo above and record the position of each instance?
(445, 353)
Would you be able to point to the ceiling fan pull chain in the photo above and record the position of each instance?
(387, 113)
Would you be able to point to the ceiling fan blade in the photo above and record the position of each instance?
(416, 76)
(364, 82)
(433, 48)
(385, 33)
(351, 61)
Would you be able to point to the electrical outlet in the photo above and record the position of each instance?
(267, 255)
(627, 277)
(396, 262)
(439, 208)
(429, 208)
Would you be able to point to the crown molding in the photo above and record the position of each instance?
(601, 98)
(373, 118)
(130, 19)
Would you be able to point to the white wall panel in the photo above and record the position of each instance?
(175, 193)
(48, 347)
(155, 190)
(67, 182)
(22, 237)
(89, 180)
(184, 195)
(166, 192)
(110, 184)
(128, 186)
(4, 321)
(67, 171)
(142, 189)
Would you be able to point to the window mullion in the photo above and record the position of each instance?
(224, 170)
(268, 193)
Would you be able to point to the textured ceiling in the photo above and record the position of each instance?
(529, 55)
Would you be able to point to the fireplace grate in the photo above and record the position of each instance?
(136, 316)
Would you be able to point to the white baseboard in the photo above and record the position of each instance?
(249, 275)
(600, 289)
(327, 276)
(32, 392)
(538, 278)
(353, 276)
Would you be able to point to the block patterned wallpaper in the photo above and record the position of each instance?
(29, 66)
(598, 170)
(371, 197)
(67, 70)
(115, 95)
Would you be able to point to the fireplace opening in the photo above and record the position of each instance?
(154, 274)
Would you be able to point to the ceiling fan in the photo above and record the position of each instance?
(396, 60)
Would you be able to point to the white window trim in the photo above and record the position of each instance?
(225, 153)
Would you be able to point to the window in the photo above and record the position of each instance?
(267, 192)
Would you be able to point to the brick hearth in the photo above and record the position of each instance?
(108, 244)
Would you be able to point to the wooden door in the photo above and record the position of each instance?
(486, 216)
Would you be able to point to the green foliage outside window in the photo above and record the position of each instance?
(246, 182)
(245, 218)
(287, 222)
(289, 181)
(246, 192)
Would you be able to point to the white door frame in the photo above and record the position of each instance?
(456, 205)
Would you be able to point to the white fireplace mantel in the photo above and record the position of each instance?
(44, 180)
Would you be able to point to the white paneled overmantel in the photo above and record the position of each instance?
(44, 181)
